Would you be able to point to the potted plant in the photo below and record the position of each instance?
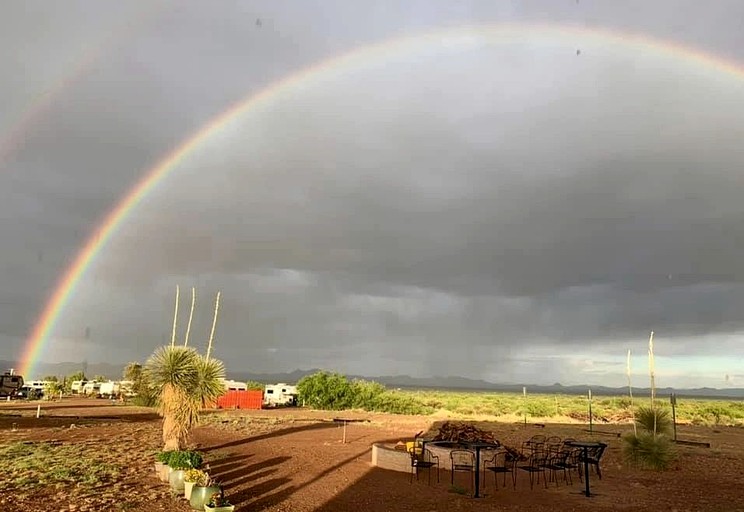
(179, 462)
(218, 503)
(191, 478)
(161, 465)
(202, 492)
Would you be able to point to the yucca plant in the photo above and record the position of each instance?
(184, 383)
(648, 450)
(653, 420)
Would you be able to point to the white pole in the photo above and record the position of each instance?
(175, 318)
(38, 411)
(214, 324)
(191, 315)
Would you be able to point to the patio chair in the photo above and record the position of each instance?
(423, 458)
(594, 455)
(533, 443)
(462, 461)
(502, 462)
(560, 459)
(536, 465)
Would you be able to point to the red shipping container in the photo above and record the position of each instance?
(241, 399)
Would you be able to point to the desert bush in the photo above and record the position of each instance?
(654, 420)
(253, 385)
(648, 450)
(325, 390)
(333, 391)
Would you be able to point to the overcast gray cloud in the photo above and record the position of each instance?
(505, 209)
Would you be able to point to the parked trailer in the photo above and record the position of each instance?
(91, 387)
(278, 395)
(234, 385)
(10, 384)
(110, 389)
(77, 386)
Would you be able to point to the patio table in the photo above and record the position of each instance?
(585, 445)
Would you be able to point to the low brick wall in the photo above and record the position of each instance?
(386, 457)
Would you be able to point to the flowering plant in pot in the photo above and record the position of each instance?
(219, 503)
(194, 477)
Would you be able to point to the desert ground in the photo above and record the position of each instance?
(296, 460)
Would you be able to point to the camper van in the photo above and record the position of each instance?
(10, 384)
(280, 395)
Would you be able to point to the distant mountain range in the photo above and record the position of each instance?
(114, 371)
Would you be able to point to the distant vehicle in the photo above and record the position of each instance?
(91, 387)
(110, 389)
(77, 386)
(280, 395)
(10, 384)
(30, 392)
(234, 385)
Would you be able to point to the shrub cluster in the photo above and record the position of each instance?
(333, 391)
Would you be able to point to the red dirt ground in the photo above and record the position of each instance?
(294, 460)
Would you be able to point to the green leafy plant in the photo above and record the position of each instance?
(184, 460)
(163, 456)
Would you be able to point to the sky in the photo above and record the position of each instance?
(518, 205)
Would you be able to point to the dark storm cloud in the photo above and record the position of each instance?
(489, 212)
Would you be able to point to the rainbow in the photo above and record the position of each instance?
(573, 35)
(14, 135)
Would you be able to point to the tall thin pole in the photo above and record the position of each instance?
(214, 324)
(191, 316)
(630, 391)
(591, 423)
(175, 318)
(652, 376)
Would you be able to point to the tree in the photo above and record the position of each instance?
(50, 378)
(141, 387)
(100, 378)
(183, 382)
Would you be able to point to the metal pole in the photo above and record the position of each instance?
(590, 412)
(674, 414)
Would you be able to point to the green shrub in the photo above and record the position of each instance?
(163, 456)
(184, 460)
(656, 420)
(648, 450)
(326, 390)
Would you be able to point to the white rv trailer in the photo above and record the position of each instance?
(77, 386)
(110, 389)
(91, 387)
(281, 394)
(234, 385)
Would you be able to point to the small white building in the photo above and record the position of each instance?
(77, 386)
(280, 395)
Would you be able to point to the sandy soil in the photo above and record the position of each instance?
(295, 460)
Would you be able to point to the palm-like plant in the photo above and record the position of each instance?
(184, 382)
